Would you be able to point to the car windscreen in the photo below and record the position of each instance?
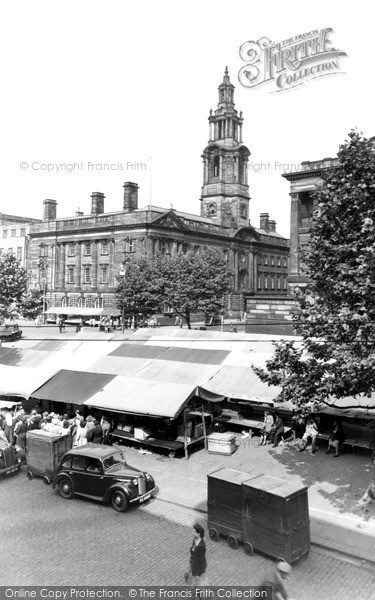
(113, 460)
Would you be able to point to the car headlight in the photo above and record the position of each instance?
(135, 481)
(148, 476)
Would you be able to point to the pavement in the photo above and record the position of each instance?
(335, 486)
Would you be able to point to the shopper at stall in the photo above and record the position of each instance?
(8, 426)
(95, 435)
(81, 435)
(265, 433)
(106, 426)
(336, 438)
(20, 430)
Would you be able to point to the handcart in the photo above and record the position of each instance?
(44, 452)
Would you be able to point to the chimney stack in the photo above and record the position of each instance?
(97, 203)
(130, 196)
(272, 225)
(49, 213)
(264, 221)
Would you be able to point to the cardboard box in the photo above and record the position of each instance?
(142, 433)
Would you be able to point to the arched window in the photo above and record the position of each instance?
(216, 172)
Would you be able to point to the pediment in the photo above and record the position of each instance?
(170, 220)
(246, 234)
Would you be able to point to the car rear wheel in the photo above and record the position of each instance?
(119, 501)
(66, 489)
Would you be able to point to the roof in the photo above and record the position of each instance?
(94, 450)
(72, 387)
(240, 383)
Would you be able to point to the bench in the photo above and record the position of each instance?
(250, 424)
(360, 439)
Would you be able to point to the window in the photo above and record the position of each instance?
(79, 462)
(285, 285)
(71, 275)
(266, 282)
(23, 232)
(272, 282)
(265, 260)
(87, 249)
(163, 246)
(13, 232)
(131, 245)
(105, 247)
(5, 233)
(279, 282)
(43, 250)
(19, 254)
(259, 282)
(104, 274)
(272, 261)
(285, 263)
(87, 275)
(278, 261)
(71, 250)
(66, 462)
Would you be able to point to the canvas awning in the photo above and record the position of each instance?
(74, 310)
(111, 311)
(72, 387)
(22, 381)
(141, 397)
(239, 383)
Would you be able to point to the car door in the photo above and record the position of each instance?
(94, 480)
(77, 472)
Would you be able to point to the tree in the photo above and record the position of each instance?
(138, 290)
(13, 280)
(31, 303)
(336, 316)
(195, 282)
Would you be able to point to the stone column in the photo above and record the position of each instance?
(252, 284)
(295, 219)
(235, 269)
(78, 278)
(94, 262)
(61, 283)
(174, 247)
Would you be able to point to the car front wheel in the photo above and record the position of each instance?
(66, 489)
(119, 501)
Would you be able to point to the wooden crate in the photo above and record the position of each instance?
(44, 452)
(276, 517)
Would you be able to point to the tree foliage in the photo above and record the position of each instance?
(188, 283)
(138, 290)
(13, 284)
(336, 316)
(31, 303)
(196, 282)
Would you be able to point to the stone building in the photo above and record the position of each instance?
(80, 257)
(14, 235)
(303, 184)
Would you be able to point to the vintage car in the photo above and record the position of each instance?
(101, 473)
(10, 332)
(11, 458)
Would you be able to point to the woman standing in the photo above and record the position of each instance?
(81, 435)
(198, 563)
(20, 431)
(268, 424)
(8, 426)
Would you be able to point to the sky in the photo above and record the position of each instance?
(130, 84)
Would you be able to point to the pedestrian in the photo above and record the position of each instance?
(277, 430)
(275, 580)
(8, 426)
(197, 570)
(95, 434)
(298, 425)
(336, 438)
(81, 435)
(106, 426)
(20, 430)
(63, 325)
(265, 433)
(311, 432)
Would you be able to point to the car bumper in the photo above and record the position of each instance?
(147, 496)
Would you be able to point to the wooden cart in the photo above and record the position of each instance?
(44, 452)
(225, 512)
(264, 513)
(276, 517)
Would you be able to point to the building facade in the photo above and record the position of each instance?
(78, 259)
(303, 184)
(14, 235)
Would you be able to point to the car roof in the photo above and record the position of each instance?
(94, 450)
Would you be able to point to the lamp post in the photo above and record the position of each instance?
(122, 274)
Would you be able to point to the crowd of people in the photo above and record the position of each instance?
(15, 424)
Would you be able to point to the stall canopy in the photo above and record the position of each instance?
(140, 397)
(72, 387)
(240, 383)
(74, 310)
(21, 381)
(360, 407)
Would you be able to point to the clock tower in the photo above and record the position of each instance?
(225, 191)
